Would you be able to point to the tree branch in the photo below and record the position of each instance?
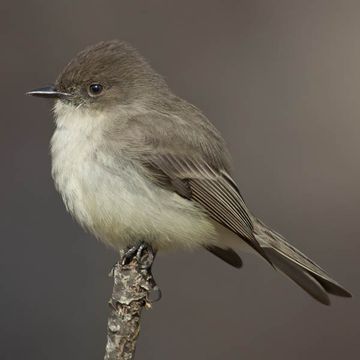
(133, 284)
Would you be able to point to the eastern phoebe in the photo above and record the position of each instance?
(135, 163)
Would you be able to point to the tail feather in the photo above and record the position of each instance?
(297, 266)
(299, 276)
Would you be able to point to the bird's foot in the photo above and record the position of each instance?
(142, 252)
(143, 255)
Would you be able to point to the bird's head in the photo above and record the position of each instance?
(110, 72)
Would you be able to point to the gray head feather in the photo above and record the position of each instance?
(122, 72)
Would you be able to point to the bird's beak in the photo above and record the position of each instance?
(48, 92)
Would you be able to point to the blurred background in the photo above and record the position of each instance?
(281, 80)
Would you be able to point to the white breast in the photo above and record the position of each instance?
(120, 207)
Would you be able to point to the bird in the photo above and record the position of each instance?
(137, 166)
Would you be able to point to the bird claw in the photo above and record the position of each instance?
(143, 252)
(129, 255)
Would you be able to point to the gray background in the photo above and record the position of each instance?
(281, 80)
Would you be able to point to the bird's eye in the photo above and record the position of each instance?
(95, 89)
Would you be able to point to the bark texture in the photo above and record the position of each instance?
(133, 284)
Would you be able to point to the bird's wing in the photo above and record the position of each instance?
(182, 152)
(212, 188)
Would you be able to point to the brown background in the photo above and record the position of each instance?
(281, 80)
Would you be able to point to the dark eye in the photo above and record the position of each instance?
(95, 89)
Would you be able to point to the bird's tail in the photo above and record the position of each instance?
(297, 266)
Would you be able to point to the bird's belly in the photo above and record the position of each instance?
(121, 209)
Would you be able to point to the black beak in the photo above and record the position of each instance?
(48, 92)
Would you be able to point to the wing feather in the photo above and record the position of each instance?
(210, 188)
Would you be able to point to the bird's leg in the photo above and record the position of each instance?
(139, 251)
(144, 254)
(129, 254)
